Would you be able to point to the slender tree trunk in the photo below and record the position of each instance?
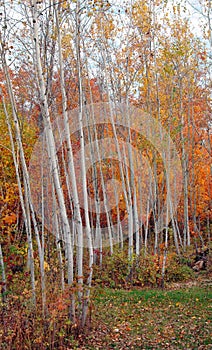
(186, 235)
(50, 140)
(4, 281)
(83, 170)
(26, 216)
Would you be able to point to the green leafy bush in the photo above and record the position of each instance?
(177, 271)
(114, 271)
(118, 271)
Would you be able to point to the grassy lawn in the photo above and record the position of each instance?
(151, 319)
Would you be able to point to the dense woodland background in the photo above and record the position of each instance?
(62, 65)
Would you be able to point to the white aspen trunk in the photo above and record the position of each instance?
(186, 231)
(30, 263)
(84, 184)
(166, 155)
(130, 208)
(128, 199)
(176, 232)
(140, 204)
(175, 223)
(83, 170)
(42, 235)
(153, 195)
(59, 238)
(126, 191)
(155, 209)
(105, 197)
(27, 220)
(132, 189)
(76, 210)
(192, 186)
(177, 237)
(169, 209)
(50, 141)
(135, 223)
(49, 132)
(146, 226)
(19, 142)
(98, 238)
(165, 250)
(4, 281)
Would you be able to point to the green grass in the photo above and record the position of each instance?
(151, 319)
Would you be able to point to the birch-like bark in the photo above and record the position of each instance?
(128, 198)
(50, 140)
(4, 281)
(59, 240)
(26, 216)
(25, 173)
(186, 231)
(83, 168)
(132, 193)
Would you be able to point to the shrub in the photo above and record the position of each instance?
(114, 272)
(146, 270)
(176, 271)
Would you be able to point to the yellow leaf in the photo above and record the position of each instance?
(46, 266)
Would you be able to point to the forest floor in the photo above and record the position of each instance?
(178, 317)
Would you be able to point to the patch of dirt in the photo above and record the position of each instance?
(200, 281)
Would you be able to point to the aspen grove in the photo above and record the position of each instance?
(105, 140)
